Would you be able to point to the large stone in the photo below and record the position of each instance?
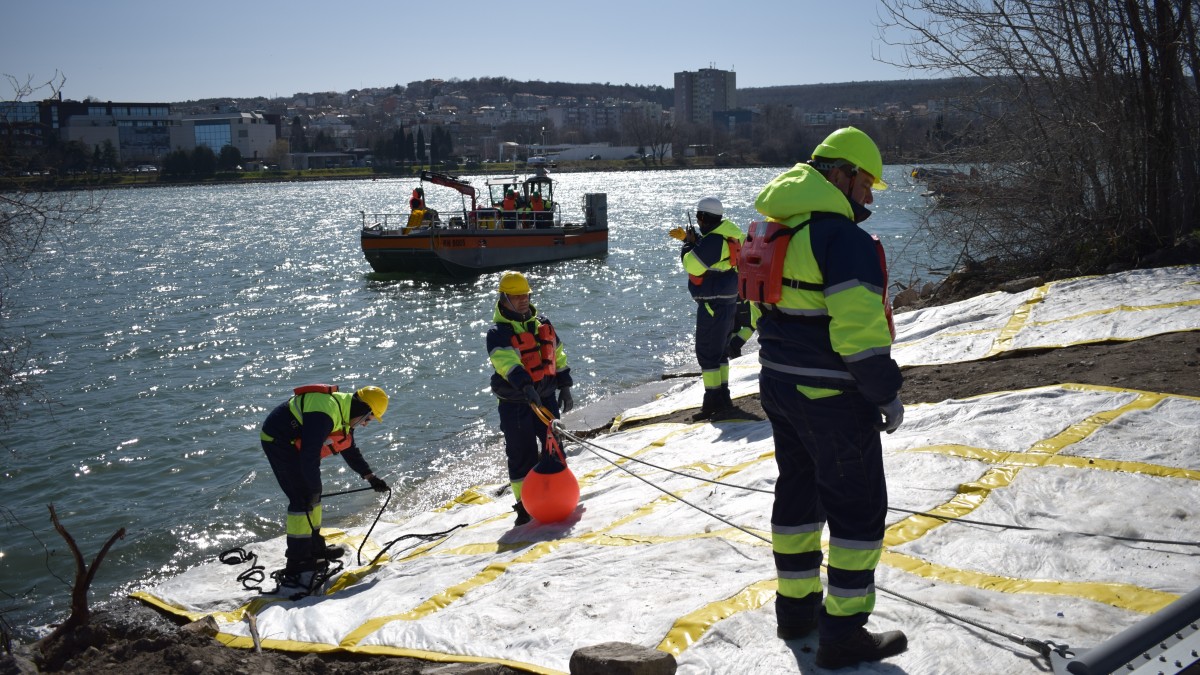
(621, 658)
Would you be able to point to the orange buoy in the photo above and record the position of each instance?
(550, 492)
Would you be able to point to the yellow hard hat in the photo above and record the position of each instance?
(375, 398)
(855, 147)
(514, 283)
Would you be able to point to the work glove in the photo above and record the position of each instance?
(378, 484)
(565, 402)
(678, 233)
(734, 348)
(531, 394)
(893, 415)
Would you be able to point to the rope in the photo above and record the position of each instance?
(250, 578)
(367, 536)
(1042, 647)
(423, 537)
(948, 519)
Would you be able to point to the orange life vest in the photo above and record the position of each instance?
(537, 351)
(760, 269)
(337, 440)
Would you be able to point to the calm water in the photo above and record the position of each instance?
(169, 330)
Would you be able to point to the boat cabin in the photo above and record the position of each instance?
(518, 204)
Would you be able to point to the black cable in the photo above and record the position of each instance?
(948, 519)
(424, 537)
(255, 573)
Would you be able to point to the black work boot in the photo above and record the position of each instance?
(298, 572)
(522, 515)
(710, 407)
(795, 631)
(860, 646)
(726, 398)
(322, 551)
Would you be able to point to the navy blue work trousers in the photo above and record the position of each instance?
(830, 463)
(285, 464)
(523, 434)
(714, 323)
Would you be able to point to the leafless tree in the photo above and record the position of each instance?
(649, 130)
(1085, 127)
(31, 210)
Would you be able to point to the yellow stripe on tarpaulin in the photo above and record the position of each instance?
(469, 496)
(897, 346)
(1118, 308)
(1060, 461)
(446, 597)
(1123, 596)
(243, 642)
(689, 628)
(1016, 322)
(1008, 465)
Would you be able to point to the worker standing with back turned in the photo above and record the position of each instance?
(829, 385)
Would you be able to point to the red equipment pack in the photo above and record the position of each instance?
(760, 266)
(315, 389)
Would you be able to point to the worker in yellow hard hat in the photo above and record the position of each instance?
(316, 422)
(829, 385)
(530, 369)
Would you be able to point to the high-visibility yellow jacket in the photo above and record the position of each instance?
(836, 337)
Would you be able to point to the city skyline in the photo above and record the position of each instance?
(137, 50)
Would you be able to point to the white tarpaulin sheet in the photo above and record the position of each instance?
(1124, 306)
(1046, 475)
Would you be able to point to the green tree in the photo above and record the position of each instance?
(177, 164)
(204, 161)
(108, 155)
(420, 146)
(229, 158)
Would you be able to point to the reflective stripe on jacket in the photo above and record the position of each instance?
(711, 263)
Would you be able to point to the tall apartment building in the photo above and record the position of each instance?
(699, 94)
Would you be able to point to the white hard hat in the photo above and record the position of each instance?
(710, 205)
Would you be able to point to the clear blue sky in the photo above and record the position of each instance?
(156, 50)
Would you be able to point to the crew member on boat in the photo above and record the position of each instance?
(509, 207)
(418, 199)
(531, 370)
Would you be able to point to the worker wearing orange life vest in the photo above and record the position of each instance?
(317, 421)
(710, 260)
(531, 368)
(829, 385)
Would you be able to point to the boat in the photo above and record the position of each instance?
(483, 236)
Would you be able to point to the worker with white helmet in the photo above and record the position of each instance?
(710, 260)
